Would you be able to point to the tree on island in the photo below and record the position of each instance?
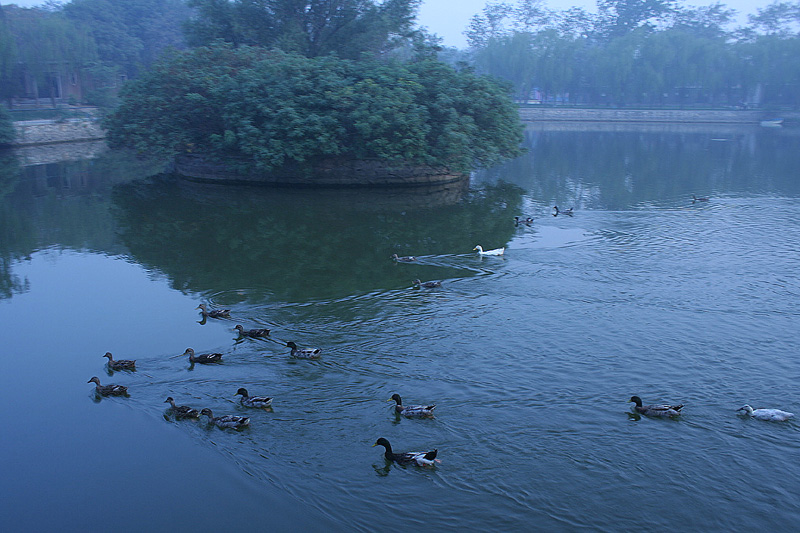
(277, 84)
(347, 28)
(268, 109)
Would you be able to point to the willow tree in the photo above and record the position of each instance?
(46, 42)
(8, 59)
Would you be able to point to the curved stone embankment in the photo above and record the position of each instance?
(332, 173)
(30, 132)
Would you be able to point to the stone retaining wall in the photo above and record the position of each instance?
(53, 131)
(555, 114)
(43, 154)
(332, 173)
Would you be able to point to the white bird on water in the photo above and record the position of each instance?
(775, 415)
(481, 251)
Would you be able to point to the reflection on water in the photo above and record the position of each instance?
(627, 166)
(303, 245)
(63, 204)
(530, 357)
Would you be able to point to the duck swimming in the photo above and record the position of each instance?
(496, 251)
(567, 212)
(426, 284)
(411, 411)
(407, 458)
(226, 421)
(774, 415)
(204, 358)
(403, 259)
(655, 410)
(519, 220)
(120, 364)
(696, 199)
(181, 411)
(252, 333)
(108, 390)
(214, 313)
(253, 401)
(303, 353)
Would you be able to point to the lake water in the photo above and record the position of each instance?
(530, 357)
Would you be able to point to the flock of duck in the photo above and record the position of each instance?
(184, 411)
(181, 412)
(409, 411)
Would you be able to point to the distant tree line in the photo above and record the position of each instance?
(650, 52)
(95, 43)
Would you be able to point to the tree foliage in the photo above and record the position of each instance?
(41, 41)
(8, 56)
(652, 52)
(130, 34)
(347, 28)
(276, 109)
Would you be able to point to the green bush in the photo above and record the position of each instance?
(271, 109)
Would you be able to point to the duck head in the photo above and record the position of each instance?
(207, 412)
(242, 391)
(396, 398)
(95, 379)
(383, 442)
(291, 345)
(636, 400)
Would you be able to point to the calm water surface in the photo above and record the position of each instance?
(530, 357)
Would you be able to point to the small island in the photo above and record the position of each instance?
(250, 114)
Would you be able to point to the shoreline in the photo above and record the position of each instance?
(652, 116)
(47, 132)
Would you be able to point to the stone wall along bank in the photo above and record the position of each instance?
(732, 116)
(30, 132)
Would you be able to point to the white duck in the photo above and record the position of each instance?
(481, 251)
(775, 415)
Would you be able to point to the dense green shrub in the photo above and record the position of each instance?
(276, 109)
